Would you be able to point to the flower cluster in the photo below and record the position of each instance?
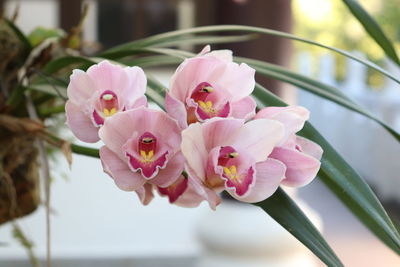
(210, 138)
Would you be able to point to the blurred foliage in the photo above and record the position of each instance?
(39, 34)
(331, 23)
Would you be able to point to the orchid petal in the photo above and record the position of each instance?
(196, 183)
(245, 108)
(309, 147)
(269, 175)
(176, 110)
(123, 177)
(80, 123)
(301, 168)
(218, 131)
(292, 117)
(145, 194)
(190, 198)
(194, 150)
(80, 88)
(107, 76)
(258, 138)
(171, 172)
(237, 79)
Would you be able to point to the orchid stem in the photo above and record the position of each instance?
(87, 151)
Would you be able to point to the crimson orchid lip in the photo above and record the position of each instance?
(146, 160)
(233, 173)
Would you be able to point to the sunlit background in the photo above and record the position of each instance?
(95, 224)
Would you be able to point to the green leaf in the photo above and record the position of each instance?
(373, 29)
(155, 91)
(213, 39)
(152, 61)
(315, 87)
(285, 211)
(345, 183)
(63, 62)
(159, 39)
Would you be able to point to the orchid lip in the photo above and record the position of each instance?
(146, 161)
(107, 106)
(207, 102)
(233, 173)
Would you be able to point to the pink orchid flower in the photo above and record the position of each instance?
(300, 155)
(211, 85)
(100, 92)
(141, 145)
(229, 154)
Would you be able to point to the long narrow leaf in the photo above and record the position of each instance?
(285, 211)
(158, 39)
(373, 29)
(345, 183)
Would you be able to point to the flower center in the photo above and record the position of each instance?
(109, 103)
(147, 145)
(237, 176)
(210, 102)
(147, 159)
(228, 160)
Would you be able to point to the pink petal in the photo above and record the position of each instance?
(218, 131)
(135, 86)
(123, 177)
(309, 147)
(269, 175)
(171, 172)
(245, 108)
(194, 150)
(237, 79)
(140, 102)
(190, 198)
(258, 138)
(292, 117)
(145, 194)
(80, 124)
(192, 72)
(203, 192)
(224, 55)
(176, 110)
(107, 76)
(205, 50)
(117, 130)
(80, 88)
(301, 168)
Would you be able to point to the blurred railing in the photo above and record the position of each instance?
(366, 146)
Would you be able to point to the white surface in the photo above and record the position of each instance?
(95, 219)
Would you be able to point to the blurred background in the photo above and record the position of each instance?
(95, 224)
